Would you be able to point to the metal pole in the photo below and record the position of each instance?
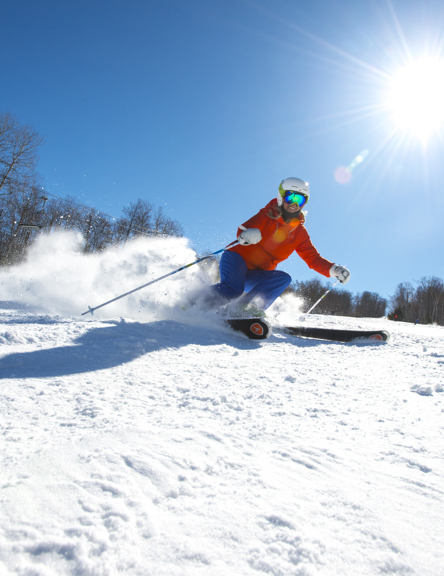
(91, 310)
(323, 296)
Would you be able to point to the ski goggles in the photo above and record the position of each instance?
(298, 198)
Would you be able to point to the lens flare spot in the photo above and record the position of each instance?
(343, 174)
(279, 236)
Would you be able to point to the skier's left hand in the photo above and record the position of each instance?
(250, 236)
(340, 272)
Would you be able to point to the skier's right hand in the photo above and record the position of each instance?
(340, 272)
(250, 236)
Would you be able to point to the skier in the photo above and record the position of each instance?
(265, 240)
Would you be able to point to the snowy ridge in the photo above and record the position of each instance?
(160, 442)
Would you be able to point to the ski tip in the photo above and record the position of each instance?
(338, 335)
(379, 336)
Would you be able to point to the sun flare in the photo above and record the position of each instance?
(417, 98)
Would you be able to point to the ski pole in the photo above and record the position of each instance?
(91, 310)
(323, 296)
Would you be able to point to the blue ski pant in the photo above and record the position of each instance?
(262, 286)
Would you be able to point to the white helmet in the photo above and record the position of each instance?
(294, 185)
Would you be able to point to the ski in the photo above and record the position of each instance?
(337, 335)
(254, 328)
(259, 329)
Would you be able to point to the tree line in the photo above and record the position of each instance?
(423, 304)
(338, 302)
(26, 209)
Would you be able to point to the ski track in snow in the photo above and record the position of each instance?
(172, 445)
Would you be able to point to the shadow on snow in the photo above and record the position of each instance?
(115, 344)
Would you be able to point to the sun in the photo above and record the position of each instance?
(417, 98)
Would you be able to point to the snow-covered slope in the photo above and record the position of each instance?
(155, 441)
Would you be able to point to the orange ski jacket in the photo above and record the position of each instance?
(279, 240)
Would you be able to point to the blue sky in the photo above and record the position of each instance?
(204, 106)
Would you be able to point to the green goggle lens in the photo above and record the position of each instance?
(291, 197)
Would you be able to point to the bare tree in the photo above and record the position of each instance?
(310, 291)
(430, 300)
(402, 302)
(424, 304)
(172, 228)
(338, 302)
(18, 150)
(63, 214)
(25, 209)
(97, 231)
(370, 305)
(164, 225)
(136, 221)
(21, 202)
(20, 220)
